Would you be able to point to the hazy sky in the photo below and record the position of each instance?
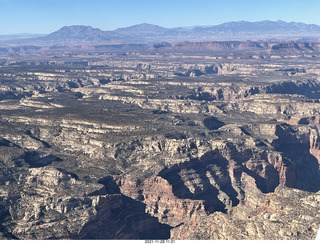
(46, 16)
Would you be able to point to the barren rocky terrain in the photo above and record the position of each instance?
(187, 141)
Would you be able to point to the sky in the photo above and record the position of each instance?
(46, 16)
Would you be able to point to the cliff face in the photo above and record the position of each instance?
(270, 48)
(136, 147)
(268, 220)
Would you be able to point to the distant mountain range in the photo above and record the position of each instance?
(148, 33)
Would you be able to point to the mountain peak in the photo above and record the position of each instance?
(76, 31)
(142, 28)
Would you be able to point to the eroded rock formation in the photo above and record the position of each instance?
(138, 147)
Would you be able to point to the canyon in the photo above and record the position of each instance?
(192, 140)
